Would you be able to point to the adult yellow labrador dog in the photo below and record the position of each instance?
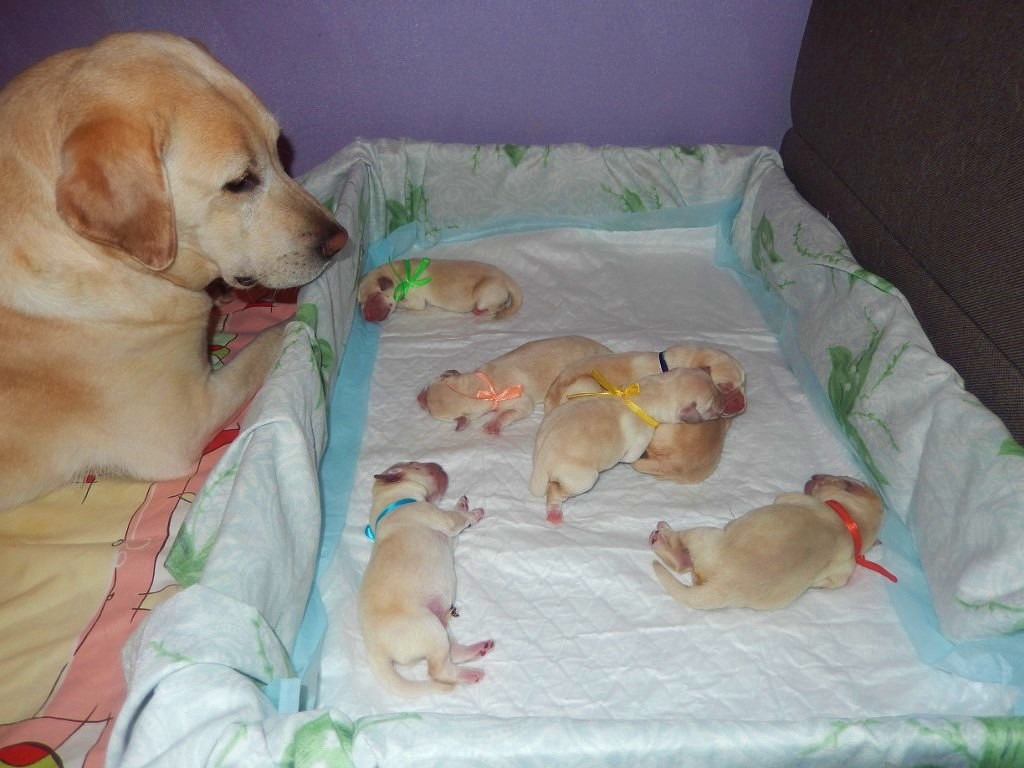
(132, 174)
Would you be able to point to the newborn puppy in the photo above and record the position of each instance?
(408, 592)
(458, 286)
(769, 557)
(589, 434)
(683, 453)
(507, 387)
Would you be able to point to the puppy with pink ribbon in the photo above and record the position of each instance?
(508, 387)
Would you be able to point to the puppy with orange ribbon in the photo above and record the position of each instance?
(508, 387)
(594, 431)
(770, 556)
(450, 284)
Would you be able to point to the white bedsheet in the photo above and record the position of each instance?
(582, 629)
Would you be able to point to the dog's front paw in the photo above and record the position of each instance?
(476, 515)
(462, 504)
(493, 427)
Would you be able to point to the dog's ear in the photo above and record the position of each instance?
(113, 189)
(449, 373)
(390, 476)
(385, 283)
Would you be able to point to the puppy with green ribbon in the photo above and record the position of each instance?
(594, 431)
(451, 284)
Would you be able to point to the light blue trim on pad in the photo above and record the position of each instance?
(346, 421)
(992, 660)
(413, 235)
(347, 408)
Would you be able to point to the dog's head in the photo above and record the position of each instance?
(425, 480)
(169, 159)
(452, 397)
(726, 372)
(376, 296)
(683, 395)
(860, 500)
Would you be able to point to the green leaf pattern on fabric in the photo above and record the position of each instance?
(327, 742)
(994, 606)
(684, 153)
(632, 201)
(162, 650)
(847, 393)
(515, 153)
(1011, 447)
(185, 561)
(1001, 743)
(324, 358)
(763, 252)
(413, 208)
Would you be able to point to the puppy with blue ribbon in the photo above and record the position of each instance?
(407, 597)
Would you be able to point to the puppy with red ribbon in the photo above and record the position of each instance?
(770, 556)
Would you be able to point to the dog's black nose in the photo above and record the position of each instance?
(334, 240)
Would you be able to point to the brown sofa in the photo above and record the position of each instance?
(917, 157)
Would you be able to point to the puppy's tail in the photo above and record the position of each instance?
(515, 301)
(385, 671)
(701, 596)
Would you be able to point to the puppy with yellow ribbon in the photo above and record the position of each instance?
(451, 284)
(682, 453)
(594, 431)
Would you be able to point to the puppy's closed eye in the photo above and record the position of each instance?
(247, 182)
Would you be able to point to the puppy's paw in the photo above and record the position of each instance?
(493, 427)
(555, 514)
(470, 675)
(482, 648)
(462, 505)
(659, 532)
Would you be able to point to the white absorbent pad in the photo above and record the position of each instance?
(582, 628)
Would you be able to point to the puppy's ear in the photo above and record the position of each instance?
(113, 189)
(449, 373)
(385, 283)
(390, 476)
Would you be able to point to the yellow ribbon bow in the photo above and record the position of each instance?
(509, 393)
(624, 393)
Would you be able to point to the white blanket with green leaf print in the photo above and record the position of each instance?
(198, 667)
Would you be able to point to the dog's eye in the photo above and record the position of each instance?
(244, 183)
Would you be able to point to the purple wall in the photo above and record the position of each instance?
(528, 72)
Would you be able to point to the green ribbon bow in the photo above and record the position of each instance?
(411, 279)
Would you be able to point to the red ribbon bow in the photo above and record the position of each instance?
(857, 543)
